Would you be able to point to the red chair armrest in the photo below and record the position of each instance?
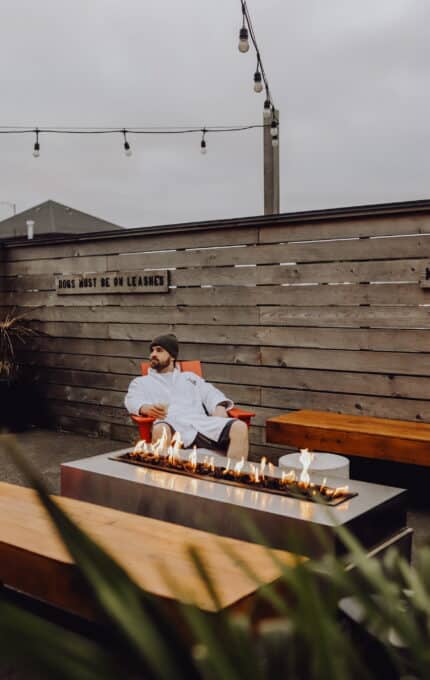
(141, 419)
(240, 414)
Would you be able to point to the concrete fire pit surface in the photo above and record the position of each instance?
(47, 449)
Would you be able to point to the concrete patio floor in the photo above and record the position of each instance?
(47, 449)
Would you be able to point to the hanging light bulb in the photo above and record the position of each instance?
(274, 128)
(243, 40)
(258, 85)
(36, 148)
(267, 111)
(203, 148)
(127, 148)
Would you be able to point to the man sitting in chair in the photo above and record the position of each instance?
(185, 403)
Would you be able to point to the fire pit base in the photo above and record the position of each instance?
(375, 516)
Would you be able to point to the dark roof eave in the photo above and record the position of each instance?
(352, 212)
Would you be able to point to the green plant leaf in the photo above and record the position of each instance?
(136, 615)
(28, 639)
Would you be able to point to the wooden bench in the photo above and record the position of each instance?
(395, 440)
(34, 561)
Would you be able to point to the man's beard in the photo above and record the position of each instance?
(159, 365)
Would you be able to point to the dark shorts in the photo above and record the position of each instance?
(203, 442)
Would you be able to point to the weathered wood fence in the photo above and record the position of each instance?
(321, 311)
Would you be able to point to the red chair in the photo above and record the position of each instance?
(144, 423)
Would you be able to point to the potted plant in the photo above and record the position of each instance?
(14, 392)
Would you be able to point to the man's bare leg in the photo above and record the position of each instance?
(157, 433)
(239, 445)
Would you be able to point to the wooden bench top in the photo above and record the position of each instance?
(397, 440)
(34, 560)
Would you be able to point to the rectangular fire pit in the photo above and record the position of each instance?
(375, 514)
(249, 475)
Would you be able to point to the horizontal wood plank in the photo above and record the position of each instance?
(355, 227)
(77, 369)
(381, 407)
(400, 340)
(306, 251)
(209, 237)
(236, 296)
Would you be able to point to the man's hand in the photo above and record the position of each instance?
(220, 411)
(157, 411)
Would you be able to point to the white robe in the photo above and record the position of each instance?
(189, 397)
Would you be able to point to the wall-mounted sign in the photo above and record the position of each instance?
(113, 282)
(425, 282)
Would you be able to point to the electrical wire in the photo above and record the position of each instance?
(247, 16)
(10, 130)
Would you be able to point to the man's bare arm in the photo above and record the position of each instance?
(220, 411)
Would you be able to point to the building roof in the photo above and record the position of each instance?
(51, 218)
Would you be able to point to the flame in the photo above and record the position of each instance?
(193, 459)
(306, 459)
(340, 491)
(254, 474)
(160, 445)
(238, 467)
(257, 474)
(262, 466)
(177, 442)
(288, 477)
(140, 446)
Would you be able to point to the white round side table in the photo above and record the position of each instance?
(329, 464)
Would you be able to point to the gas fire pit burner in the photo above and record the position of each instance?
(243, 474)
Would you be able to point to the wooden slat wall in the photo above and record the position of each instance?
(326, 315)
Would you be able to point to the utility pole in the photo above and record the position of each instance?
(271, 168)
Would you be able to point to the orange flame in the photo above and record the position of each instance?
(227, 467)
(288, 477)
(254, 474)
(193, 459)
(340, 491)
(238, 467)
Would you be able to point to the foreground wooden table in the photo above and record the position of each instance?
(34, 560)
(396, 440)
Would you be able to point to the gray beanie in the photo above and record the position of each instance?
(168, 342)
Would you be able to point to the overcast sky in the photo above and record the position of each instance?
(350, 78)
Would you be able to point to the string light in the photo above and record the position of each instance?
(243, 34)
(267, 110)
(36, 148)
(203, 149)
(127, 148)
(14, 130)
(274, 128)
(260, 78)
(274, 131)
(258, 85)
